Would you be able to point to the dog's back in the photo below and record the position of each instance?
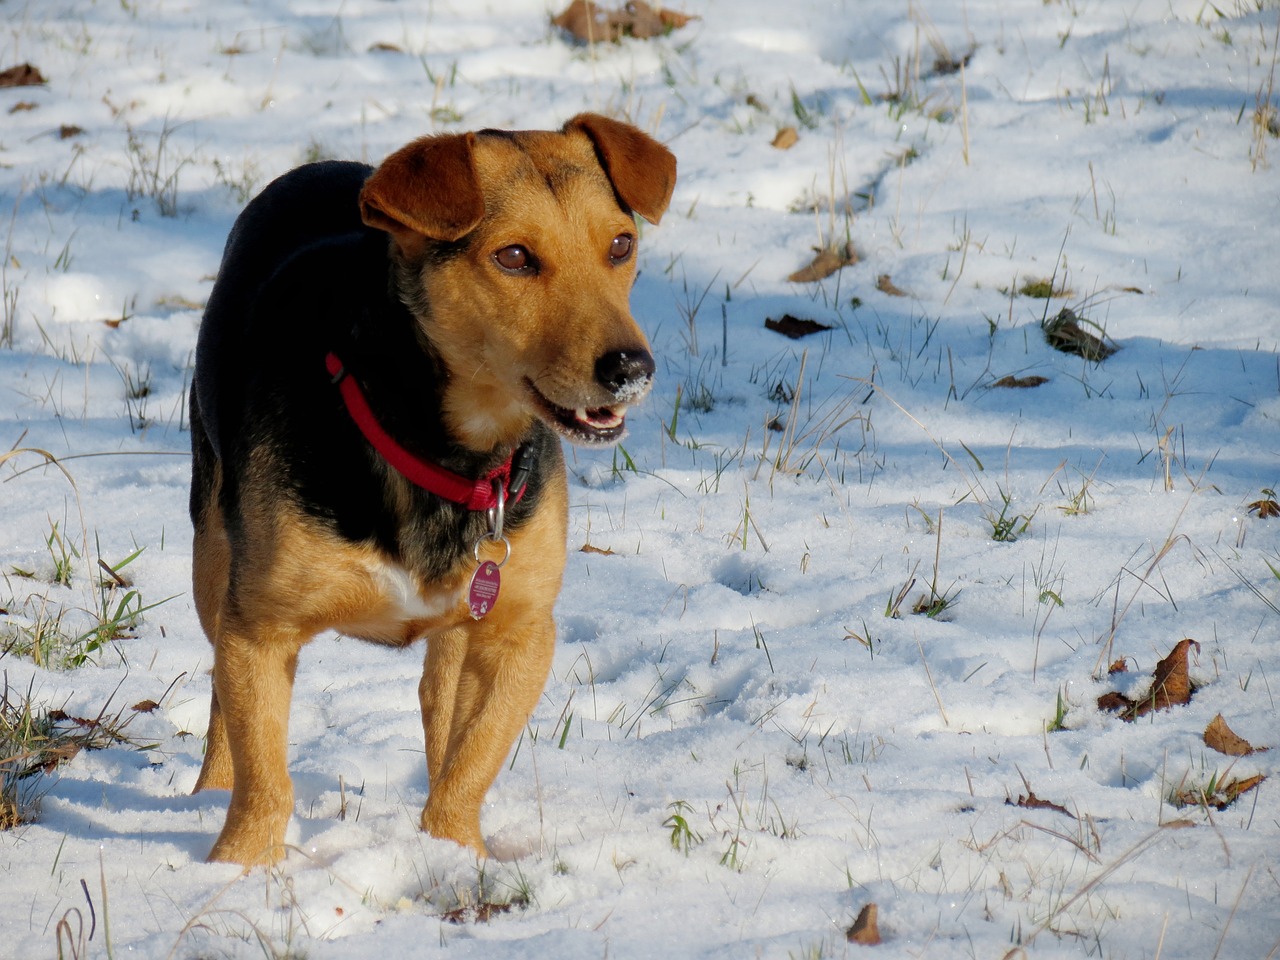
(312, 205)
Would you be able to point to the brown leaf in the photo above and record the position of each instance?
(865, 929)
(794, 327)
(23, 106)
(786, 138)
(1064, 333)
(1171, 685)
(603, 551)
(482, 912)
(145, 706)
(1223, 796)
(1265, 509)
(1119, 666)
(827, 262)
(23, 75)
(69, 130)
(1020, 382)
(885, 285)
(591, 23)
(1114, 701)
(1172, 681)
(1032, 802)
(1222, 738)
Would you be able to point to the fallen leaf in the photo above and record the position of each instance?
(603, 551)
(23, 105)
(786, 138)
(827, 262)
(1020, 382)
(865, 929)
(1223, 795)
(1113, 702)
(23, 75)
(383, 46)
(1171, 685)
(482, 912)
(69, 130)
(1119, 666)
(591, 23)
(1032, 802)
(1172, 680)
(885, 285)
(145, 706)
(1065, 333)
(794, 327)
(1265, 509)
(1222, 738)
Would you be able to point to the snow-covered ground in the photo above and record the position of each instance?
(737, 748)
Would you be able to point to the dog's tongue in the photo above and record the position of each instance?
(602, 418)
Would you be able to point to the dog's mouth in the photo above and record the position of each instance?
(586, 425)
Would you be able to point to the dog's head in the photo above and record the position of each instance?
(517, 252)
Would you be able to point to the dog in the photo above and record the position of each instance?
(386, 365)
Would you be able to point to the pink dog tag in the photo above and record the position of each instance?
(483, 592)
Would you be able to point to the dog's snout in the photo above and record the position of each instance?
(623, 370)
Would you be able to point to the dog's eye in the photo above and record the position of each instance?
(514, 259)
(620, 249)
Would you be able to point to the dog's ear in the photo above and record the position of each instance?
(427, 190)
(643, 171)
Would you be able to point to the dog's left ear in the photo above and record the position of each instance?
(643, 171)
(426, 190)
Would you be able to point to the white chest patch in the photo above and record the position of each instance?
(401, 591)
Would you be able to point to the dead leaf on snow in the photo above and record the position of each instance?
(827, 262)
(23, 106)
(1032, 802)
(1064, 332)
(145, 706)
(794, 327)
(886, 285)
(865, 929)
(1223, 795)
(1021, 383)
(1119, 666)
(602, 551)
(786, 138)
(591, 23)
(23, 75)
(1265, 509)
(1171, 685)
(1222, 738)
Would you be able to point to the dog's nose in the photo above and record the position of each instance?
(622, 370)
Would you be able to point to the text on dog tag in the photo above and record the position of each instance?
(482, 594)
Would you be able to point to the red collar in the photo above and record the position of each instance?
(478, 494)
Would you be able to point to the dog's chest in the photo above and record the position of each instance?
(398, 608)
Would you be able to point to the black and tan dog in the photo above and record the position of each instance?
(385, 365)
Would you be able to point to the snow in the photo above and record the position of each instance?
(729, 661)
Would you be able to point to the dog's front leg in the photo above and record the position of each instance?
(253, 684)
(482, 681)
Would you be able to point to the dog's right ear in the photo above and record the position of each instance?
(427, 190)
